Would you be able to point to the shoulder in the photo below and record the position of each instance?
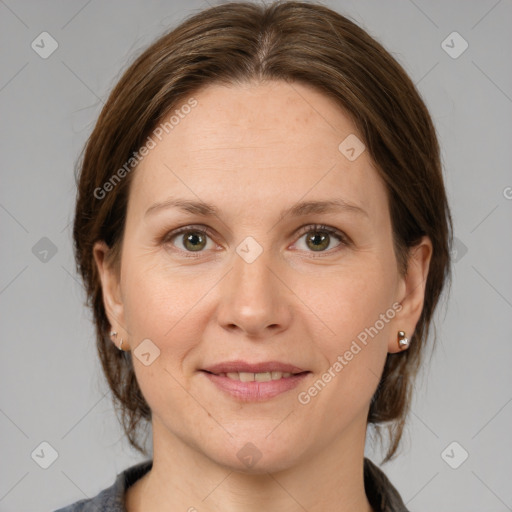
(111, 499)
(381, 493)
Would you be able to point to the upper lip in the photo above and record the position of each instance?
(243, 366)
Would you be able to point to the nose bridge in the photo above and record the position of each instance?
(252, 298)
(252, 269)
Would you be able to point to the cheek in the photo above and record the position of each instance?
(159, 303)
(163, 306)
(355, 309)
(154, 294)
(350, 298)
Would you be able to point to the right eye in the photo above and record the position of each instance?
(191, 238)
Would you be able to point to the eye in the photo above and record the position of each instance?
(191, 238)
(318, 238)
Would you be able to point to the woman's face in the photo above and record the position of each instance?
(294, 272)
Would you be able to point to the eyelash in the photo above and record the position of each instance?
(344, 239)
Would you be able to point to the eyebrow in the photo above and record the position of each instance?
(303, 208)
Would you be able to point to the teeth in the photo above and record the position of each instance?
(258, 377)
(263, 377)
(246, 377)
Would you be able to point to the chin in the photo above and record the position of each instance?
(259, 456)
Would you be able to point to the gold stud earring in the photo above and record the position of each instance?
(403, 341)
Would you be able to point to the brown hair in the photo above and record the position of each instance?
(295, 42)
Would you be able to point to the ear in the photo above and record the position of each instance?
(111, 290)
(411, 291)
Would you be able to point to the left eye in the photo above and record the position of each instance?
(318, 238)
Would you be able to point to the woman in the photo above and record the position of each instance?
(263, 232)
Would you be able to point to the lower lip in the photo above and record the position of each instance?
(255, 391)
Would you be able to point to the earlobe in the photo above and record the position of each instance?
(110, 286)
(412, 294)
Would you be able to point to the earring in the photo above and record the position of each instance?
(403, 342)
(113, 334)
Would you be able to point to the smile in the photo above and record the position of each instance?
(254, 387)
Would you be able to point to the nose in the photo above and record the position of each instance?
(254, 300)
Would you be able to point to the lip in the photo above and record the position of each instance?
(255, 391)
(243, 366)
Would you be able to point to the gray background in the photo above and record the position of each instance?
(51, 385)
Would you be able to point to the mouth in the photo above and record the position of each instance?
(240, 366)
(255, 377)
(254, 382)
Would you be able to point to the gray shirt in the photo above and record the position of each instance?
(383, 497)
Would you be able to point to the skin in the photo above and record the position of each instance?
(252, 151)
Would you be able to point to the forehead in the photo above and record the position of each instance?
(248, 144)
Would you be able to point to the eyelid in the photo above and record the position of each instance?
(169, 235)
(344, 239)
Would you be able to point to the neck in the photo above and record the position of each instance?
(182, 478)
